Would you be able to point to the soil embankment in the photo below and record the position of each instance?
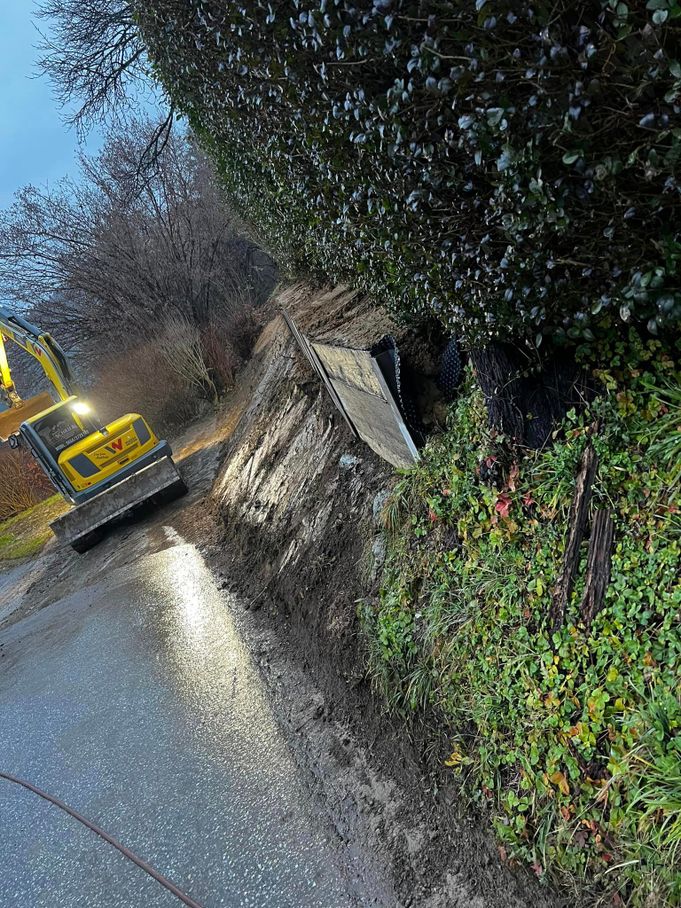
(299, 504)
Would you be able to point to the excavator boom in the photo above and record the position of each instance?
(42, 347)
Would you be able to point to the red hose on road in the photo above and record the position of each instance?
(171, 887)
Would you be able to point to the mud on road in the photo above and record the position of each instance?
(282, 509)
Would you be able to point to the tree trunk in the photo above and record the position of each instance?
(527, 397)
(598, 566)
(577, 518)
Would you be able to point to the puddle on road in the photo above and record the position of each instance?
(136, 702)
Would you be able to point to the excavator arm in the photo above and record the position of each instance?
(42, 347)
(7, 386)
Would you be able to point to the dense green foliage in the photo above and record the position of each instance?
(510, 166)
(572, 738)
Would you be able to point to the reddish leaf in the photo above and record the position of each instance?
(432, 516)
(558, 779)
(503, 505)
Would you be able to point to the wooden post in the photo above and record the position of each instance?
(598, 566)
(579, 511)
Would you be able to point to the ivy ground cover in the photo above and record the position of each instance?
(572, 739)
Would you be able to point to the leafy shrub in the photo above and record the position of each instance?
(173, 378)
(572, 738)
(510, 166)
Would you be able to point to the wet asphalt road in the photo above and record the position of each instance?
(136, 702)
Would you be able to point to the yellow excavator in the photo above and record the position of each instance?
(103, 470)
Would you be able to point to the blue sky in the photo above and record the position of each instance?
(35, 145)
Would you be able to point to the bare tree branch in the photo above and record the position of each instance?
(93, 56)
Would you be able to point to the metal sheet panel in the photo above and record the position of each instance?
(413, 454)
(376, 424)
(350, 366)
(364, 395)
(318, 366)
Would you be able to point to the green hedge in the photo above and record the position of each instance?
(509, 166)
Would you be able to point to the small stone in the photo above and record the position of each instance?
(378, 549)
(348, 461)
(379, 505)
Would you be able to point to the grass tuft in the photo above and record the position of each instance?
(25, 535)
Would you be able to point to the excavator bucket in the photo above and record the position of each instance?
(10, 420)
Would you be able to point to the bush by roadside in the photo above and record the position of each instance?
(22, 482)
(176, 376)
(571, 738)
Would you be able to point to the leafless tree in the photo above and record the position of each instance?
(93, 54)
(109, 266)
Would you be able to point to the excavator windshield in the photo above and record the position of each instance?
(58, 429)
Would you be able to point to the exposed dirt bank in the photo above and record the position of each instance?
(299, 501)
